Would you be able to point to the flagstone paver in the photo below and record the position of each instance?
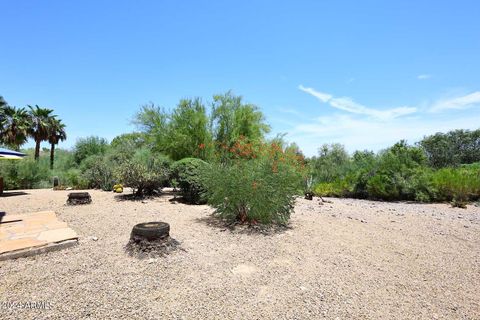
(32, 231)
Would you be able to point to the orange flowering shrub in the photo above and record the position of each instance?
(255, 182)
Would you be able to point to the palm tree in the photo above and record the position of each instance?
(3, 105)
(56, 134)
(41, 121)
(15, 126)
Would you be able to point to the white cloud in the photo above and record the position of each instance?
(367, 128)
(457, 103)
(424, 76)
(347, 104)
(372, 134)
(290, 111)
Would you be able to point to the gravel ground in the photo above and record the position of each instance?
(349, 259)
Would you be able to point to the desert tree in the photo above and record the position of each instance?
(56, 133)
(40, 126)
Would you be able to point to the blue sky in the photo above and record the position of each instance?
(361, 73)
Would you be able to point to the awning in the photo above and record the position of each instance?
(11, 154)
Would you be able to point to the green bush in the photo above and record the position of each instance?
(27, 174)
(85, 147)
(146, 172)
(332, 163)
(73, 178)
(255, 189)
(188, 174)
(329, 189)
(392, 175)
(98, 172)
(458, 184)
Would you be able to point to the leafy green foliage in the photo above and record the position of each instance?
(257, 185)
(98, 172)
(189, 129)
(40, 126)
(331, 163)
(15, 125)
(26, 174)
(399, 173)
(452, 148)
(232, 119)
(394, 171)
(458, 184)
(89, 146)
(146, 172)
(188, 175)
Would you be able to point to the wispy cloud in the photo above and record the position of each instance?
(424, 76)
(347, 104)
(359, 133)
(457, 103)
(290, 111)
(359, 127)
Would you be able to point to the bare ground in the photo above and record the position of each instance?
(349, 259)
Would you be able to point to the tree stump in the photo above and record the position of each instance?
(75, 198)
(151, 239)
(56, 182)
(150, 231)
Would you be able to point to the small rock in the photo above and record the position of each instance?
(363, 221)
(94, 238)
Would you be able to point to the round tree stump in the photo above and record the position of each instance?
(150, 231)
(151, 239)
(75, 198)
(56, 182)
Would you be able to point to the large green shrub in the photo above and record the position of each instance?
(25, 174)
(452, 148)
(189, 174)
(85, 147)
(393, 173)
(98, 172)
(458, 184)
(146, 172)
(255, 188)
(73, 178)
(332, 163)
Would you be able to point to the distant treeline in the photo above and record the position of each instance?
(441, 167)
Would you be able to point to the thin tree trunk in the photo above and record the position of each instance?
(52, 155)
(37, 149)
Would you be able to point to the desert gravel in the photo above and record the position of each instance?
(349, 259)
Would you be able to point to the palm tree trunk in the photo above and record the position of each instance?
(37, 149)
(52, 155)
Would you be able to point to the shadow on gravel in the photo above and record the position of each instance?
(134, 197)
(242, 228)
(175, 197)
(13, 194)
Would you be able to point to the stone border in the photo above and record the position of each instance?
(51, 247)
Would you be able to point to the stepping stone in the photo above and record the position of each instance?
(31, 234)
